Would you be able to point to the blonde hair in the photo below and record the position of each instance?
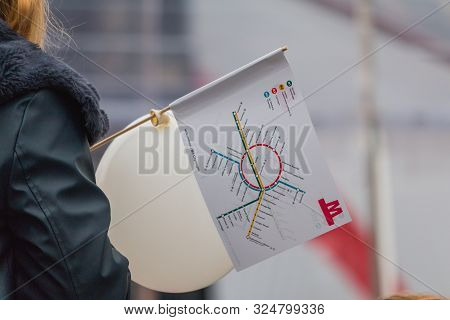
(414, 296)
(27, 17)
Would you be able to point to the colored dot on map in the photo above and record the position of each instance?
(266, 94)
(281, 87)
(289, 83)
(274, 90)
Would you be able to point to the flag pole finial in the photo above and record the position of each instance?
(156, 117)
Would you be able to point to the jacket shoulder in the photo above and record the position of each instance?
(43, 98)
(49, 99)
(49, 116)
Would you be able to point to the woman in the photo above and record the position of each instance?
(53, 218)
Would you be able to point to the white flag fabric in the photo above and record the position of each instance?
(257, 161)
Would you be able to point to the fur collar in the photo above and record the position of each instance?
(24, 68)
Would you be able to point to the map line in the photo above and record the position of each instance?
(255, 171)
(224, 156)
(261, 188)
(236, 209)
(290, 186)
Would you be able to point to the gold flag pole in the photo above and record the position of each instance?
(154, 117)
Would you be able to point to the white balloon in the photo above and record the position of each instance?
(160, 221)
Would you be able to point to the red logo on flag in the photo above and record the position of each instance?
(330, 210)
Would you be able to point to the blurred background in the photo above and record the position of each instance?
(383, 122)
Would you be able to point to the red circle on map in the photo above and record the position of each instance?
(274, 90)
(280, 170)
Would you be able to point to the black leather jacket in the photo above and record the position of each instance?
(53, 217)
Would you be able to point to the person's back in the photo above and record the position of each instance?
(53, 218)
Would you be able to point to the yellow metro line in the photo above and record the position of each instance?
(254, 168)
